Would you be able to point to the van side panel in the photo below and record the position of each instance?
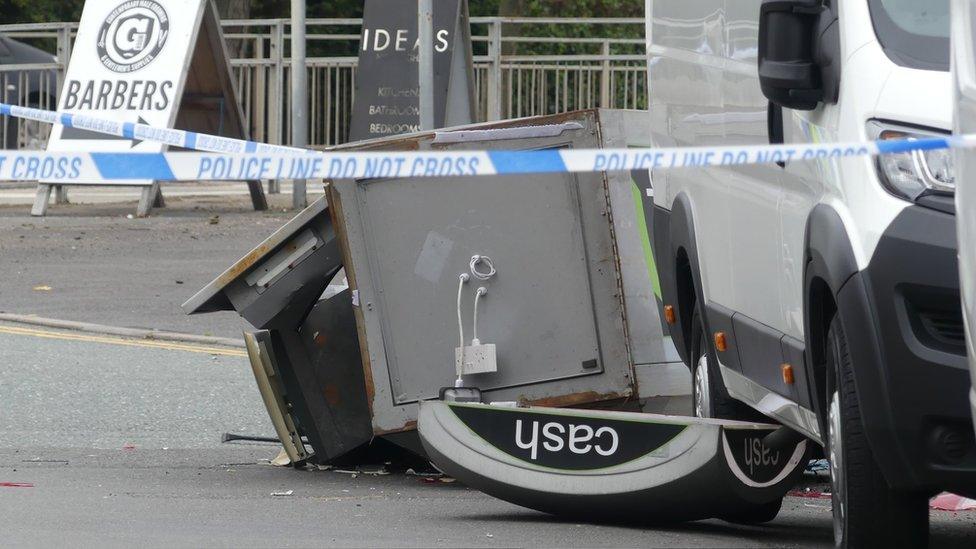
(756, 194)
(685, 64)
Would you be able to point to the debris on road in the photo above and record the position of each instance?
(282, 459)
(42, 288)
(952, 502)
(818, 468)
(283, 494)
(809, 493)
(411, 472)
(16, 484)
(443, 479)
(375, 471)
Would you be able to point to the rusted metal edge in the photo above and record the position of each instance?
(339, 225)
(210, 299)
(412, 141)
(564, 401)
(618, 269)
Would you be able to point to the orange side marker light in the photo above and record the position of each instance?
(669, 316)
(787, 370)
(720, 344)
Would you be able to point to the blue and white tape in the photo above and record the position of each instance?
(142, 132)
(244, 160)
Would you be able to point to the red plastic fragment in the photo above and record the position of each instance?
(952, 502)
(16, 484)
(812, 494)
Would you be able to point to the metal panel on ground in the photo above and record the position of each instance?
(618, 466)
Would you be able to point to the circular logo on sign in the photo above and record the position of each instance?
(132, 35)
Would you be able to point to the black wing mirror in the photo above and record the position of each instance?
(798, 44)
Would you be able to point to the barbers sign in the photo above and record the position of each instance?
(128, 64)
(133, 61)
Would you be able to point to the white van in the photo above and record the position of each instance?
(822, 294)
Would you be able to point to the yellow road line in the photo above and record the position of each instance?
(113, 340)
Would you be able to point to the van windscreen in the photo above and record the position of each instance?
(913, 33)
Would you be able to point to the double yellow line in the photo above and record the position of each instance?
(126, 342)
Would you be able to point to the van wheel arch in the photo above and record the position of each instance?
(688, 290)
(829, 263)
(687, 298)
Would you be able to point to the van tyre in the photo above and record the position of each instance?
(708, 395)
(711, 400)
(867, 512)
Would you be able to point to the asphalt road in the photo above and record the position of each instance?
(119, 445)
(221, 498)
(115, 442)
(79, 393)
(102, 267)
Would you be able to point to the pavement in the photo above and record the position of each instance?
(94, 263)
(112, 442)
(22, 194)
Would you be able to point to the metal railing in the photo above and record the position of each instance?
(537, 66)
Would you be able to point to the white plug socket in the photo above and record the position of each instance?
(478, 358)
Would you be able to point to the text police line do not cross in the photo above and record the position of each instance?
(182, 166)
(250, 160)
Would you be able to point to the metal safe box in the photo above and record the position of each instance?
(342, 365)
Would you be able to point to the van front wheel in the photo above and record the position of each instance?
(867, 512)
(708, 393)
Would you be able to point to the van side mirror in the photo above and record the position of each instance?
(799, 42)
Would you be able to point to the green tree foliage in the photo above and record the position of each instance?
(572, 8)
(41, 11)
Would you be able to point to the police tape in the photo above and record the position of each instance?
(195, 166)
(143, 132)
(247, 160)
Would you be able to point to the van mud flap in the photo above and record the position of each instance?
(615, 466)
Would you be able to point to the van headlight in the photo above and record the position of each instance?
(913, 174)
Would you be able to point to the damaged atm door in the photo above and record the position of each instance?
(544, 314)
(304, 352)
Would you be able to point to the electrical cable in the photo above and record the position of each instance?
(481, 293)
(462, 280)
(482, 260)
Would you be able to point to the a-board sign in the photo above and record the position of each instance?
(387, 96)
(156, 62)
